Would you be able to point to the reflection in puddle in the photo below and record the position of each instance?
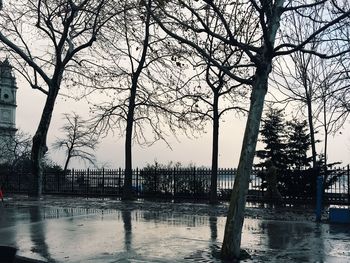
(126, 215)
(93, 235)
(38, 234)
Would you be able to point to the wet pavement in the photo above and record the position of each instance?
(104, 230)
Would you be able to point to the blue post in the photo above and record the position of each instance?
(319, 198)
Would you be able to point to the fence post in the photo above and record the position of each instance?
(19, 180)
(58, 181)
(174, 181)
(194, 180)
(7, 180)
(120, 180)
(45, 181)
(254, 184)
(72, 173)
(103, 180)
(348, 184)
(87, 181)
(155, 179)
(319, 198)
(137, 181)
(261, 190)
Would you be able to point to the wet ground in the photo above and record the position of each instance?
(102, 230)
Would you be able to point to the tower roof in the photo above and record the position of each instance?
(5, 69)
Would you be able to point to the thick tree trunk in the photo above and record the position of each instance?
(231, 245)
(234, 222)
(39, 147)
(127, 188)
(215, 152)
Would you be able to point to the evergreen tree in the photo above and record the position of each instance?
(273, 136)
(298, 144)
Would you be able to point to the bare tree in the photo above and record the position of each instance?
(329, 116)
(298, 76)
(311, 82)
(264, 18)
(336, 99)
(215, 95)
(64, 29)
(78, 141)
(143, 77)
(336, 94)
(15, 148)
(301, 85)
(227, 92)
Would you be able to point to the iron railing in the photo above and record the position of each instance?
(174, 183)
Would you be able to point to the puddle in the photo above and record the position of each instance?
(95, 235)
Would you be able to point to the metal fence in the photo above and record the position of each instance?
(175, 183)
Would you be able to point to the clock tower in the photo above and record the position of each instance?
(8, 104)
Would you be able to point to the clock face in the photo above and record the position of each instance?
(6, 95)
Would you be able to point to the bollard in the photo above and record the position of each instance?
(319, 198)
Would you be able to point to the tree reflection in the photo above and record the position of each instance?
(38, 233)
(318, 245)
(307, 240)
(126, 216)
(214, 247)
(213, 224)
(7, 219)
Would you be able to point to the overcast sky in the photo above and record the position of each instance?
(111, 150)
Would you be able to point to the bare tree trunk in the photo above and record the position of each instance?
(66, 164)
(325, 177)
(325, 168)
(72, 144)
(127, 188)
(39, 147)
(234, 222)
(315, 168)
(312, 130)
(231, 245)
(215, 151)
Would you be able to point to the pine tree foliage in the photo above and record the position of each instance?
(273, 136)
(286, 142)
(298, 144)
